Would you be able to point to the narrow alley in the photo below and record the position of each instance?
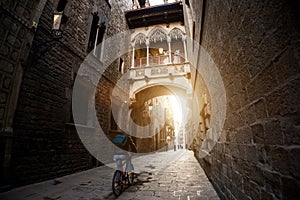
(161, 177)
(201, 96)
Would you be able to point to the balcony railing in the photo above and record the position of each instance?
(158, 60)
(161, 71)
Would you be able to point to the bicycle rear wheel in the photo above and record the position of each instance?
(130, 176)
(117, 184)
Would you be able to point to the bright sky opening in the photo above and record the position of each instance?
(159, 2)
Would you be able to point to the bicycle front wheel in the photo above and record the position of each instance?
(117, 185)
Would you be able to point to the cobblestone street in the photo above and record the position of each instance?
(183, 178)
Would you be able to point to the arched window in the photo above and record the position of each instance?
(96, 35)
(93, 33)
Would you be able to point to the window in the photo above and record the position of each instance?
(96, 35)
(93, 32)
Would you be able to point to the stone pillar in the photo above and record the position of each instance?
(132, 60)
(148, 44)
(169, 46)
(184, 46)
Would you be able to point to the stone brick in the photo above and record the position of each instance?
(290, 129)
(3, 97)
(272, 182)
(264, 83)
(263, 154)
(244, 135)
(6, 66)
(6, 82)
(280, 160)
(260, 109)
(248, 115)
(284, 100)
(273, 133)
(4, 50)
(258, 133)
(266, 195)
(251, 155)
(294, 159)
(251, 189)
(286, 65)
(1, 113)
(290, 188)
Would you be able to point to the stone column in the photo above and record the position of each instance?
(132, 60)
(169, 46)
(184, 46)
(148, 44)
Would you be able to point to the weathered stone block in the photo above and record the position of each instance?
(251, 155)
(6, 66)
(3, 97)
(294, 158)
(290, 188)
(263, 83)
(260, 109)
(272, 182)
(280, 160)
(258, 133)
(273, 133)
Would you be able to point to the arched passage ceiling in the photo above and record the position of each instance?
(154, 91)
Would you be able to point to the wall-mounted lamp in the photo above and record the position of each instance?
(57, 21)
(40, 47)
(160, 50)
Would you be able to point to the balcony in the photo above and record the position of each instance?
(158, 60)
(159, 68)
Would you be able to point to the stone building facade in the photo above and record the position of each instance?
(38, 137)
(255, 45)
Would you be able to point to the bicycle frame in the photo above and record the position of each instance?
(119, 161)
(120, 175)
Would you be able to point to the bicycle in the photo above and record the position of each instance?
(121, 177)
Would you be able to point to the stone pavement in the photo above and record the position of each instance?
(163, 175)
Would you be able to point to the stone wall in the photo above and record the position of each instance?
(45, 143)
(255, 45)
(16, 36)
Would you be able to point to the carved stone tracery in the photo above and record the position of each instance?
(158, 35)
(140, 39)
(176, 33)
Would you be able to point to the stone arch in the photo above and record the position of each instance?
(139, 39)
(157, 34)
(147, 91)
(176, 33)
